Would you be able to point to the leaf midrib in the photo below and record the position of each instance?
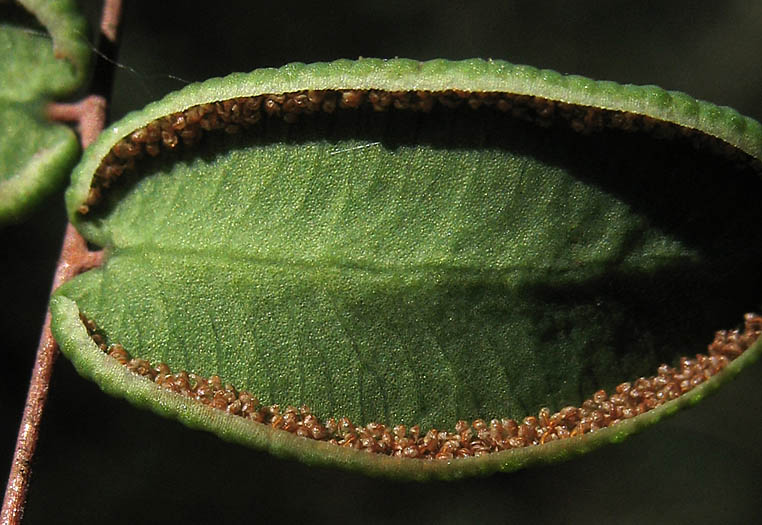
(553, 271)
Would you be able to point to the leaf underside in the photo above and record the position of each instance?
(421, 268)
(36, 154)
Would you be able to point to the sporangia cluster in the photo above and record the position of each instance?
(186, 128)
(465, 439)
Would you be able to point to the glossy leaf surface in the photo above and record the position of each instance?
(417, 268)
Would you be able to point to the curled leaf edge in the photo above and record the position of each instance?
(723, 123)
(116, 380)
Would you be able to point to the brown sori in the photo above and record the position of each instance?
(187, 127)
(479, 437)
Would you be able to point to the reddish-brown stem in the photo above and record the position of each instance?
(90, 117)
(112, 13)
(89, 114)
(75, 258)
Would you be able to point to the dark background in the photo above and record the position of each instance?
(102, 461)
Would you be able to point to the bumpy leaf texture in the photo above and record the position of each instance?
(412, 243)
(37, 64)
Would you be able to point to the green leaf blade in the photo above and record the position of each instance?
(35, 157)
(114, 379)
(35, 153)
(417, 269)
